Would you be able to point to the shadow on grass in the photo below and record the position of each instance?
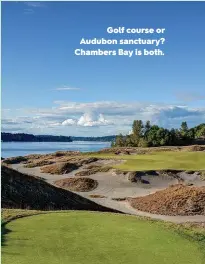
(4, 232)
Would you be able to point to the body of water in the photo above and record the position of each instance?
(12, 149)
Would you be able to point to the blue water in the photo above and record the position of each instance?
(12, 149)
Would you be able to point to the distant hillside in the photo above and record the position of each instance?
(21, 137)
(102, 139)
(27, 192)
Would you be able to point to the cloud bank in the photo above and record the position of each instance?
(98, 118)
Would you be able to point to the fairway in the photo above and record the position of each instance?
(95, 238)
(160, 161)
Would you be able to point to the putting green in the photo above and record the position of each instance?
(95, 238)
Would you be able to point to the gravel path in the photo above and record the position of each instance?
(117, 186)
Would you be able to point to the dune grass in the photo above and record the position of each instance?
(160, 160)
(90, 238)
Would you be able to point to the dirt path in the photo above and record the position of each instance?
(117, 186)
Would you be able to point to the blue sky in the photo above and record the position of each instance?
(106, 93)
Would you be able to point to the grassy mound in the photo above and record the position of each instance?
(119, 199)
(59, 168)
(97, 196)
(65, 153)
(175, 200)
(85, 161)
(194, 148)
(78, 160)
(90, 238)
(92, 166)
(15, 160)
(93, 170)
(77, 184)
(38, 163)
(22, 191)
(135, 176)
(70, 164)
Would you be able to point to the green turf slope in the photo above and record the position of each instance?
(160, 160)
(95, 238)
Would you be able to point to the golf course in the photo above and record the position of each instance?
(64, 218)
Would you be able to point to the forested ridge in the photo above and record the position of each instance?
(21, 137)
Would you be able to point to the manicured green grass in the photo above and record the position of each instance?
(95, 238)
(161, 160)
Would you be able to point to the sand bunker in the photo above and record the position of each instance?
(77, 184)
(175, 200)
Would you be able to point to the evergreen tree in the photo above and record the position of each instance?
(200, 133)
(147, 126)
(184, 128)
(129, 141)
(120, 141)
(137, 129)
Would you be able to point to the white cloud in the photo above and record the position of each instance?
(91, 119)
(130, 132)
(88, 120)
(69, 122)
(53, 124)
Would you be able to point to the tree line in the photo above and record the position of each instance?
(147, 135)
